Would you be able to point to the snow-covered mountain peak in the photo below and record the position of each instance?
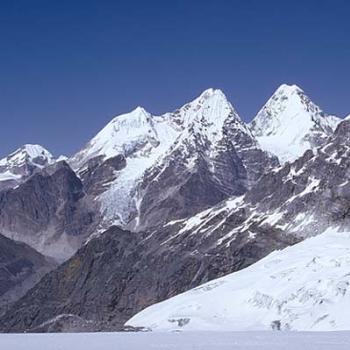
(208, 93)
(288, 89)
(22, 163)
(35, 153)
(290, 123)
(135, 118)
(211, 108)
(122, 135)
(28, 153)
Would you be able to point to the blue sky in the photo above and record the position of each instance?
(67, 67)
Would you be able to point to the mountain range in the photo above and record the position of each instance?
(194, 201)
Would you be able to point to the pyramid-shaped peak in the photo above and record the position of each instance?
(138, 114)
(211, 92)
(287, 89)
(290, 123)
(139, 109)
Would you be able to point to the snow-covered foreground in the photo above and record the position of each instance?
(183, 341)
(303, 287)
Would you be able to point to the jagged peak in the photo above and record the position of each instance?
(138, 113)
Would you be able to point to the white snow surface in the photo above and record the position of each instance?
(288, 120)
(175, 341)
(304, 287)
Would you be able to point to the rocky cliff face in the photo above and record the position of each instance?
(120, 273)
(49, 212)
(170, 166)
(195, 197)
(21, 267)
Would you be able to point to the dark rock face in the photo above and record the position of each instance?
(119, 273)
(174, 191)
(21, 267)
(311, 193)
(98, 173)
(197, 175)
(170, 166)
(47, 211)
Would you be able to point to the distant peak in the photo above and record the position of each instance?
(288, 89)
(35, 154)
(212, 92)
(138, 113)
(33, 151)
(139, 109)
(29, 147)
(210, 95)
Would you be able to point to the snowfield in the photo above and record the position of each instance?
(304, 287)
(183, 341)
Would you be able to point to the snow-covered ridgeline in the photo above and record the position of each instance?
(146, 140)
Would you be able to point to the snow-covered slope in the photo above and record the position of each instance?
(290, 123)
(127, 134)
(140, 139)
(303, 287)
(22, 163)
(175, 341)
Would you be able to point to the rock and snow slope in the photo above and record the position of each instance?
(22, 163)
(303, 287)
(137, 156)
(200, 195)
(290, 123)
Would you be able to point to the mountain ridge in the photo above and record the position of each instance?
(195, 196)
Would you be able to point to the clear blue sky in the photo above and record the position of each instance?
(67, 67)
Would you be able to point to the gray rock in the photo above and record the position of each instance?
(21, 267)
(49, 212)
